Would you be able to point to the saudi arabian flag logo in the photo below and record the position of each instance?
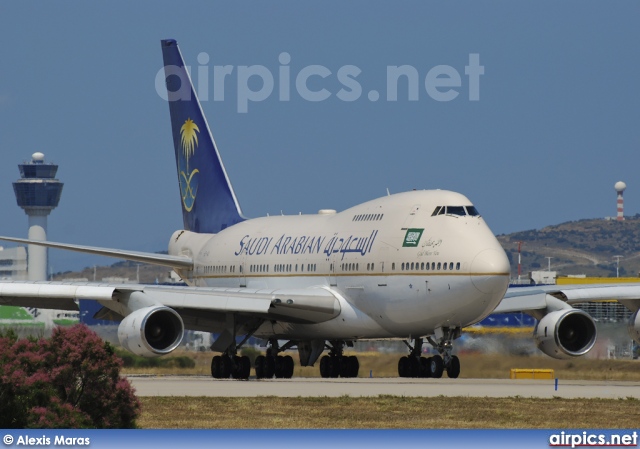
(412, 238)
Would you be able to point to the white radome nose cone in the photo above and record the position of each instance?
(490, 271)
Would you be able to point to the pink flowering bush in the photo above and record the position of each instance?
(71, 380)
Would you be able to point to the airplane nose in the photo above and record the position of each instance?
(490, 271)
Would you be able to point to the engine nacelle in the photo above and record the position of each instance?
(565, 333)
(151, 331)
(634, 326)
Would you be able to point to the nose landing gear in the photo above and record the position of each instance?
(443, 344)
(415, 365)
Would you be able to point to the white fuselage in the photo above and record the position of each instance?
(397, 269)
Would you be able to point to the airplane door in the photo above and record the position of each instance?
(384, 266)
(242, 279)
(383, 256)
(333, 275)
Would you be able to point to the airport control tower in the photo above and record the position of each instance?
(38, 193)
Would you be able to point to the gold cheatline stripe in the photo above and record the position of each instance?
(274, 275)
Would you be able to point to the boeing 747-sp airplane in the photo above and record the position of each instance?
(418, 266)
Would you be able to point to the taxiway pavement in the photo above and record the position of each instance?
(362, 387)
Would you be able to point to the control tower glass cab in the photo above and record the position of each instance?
(38, 193)
(38, 188)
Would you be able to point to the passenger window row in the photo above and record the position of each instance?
(258, 268)
(433, 266)
(310, 267)
(350, 267)
(288, 268)
(218, 269)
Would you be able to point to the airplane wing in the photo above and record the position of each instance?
(194, 304)
(136, 256)
(563, 331)
(524, 299)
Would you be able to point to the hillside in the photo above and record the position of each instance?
(578, 247)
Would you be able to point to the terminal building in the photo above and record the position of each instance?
(13, 263)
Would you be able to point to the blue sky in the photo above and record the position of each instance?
(556, 124)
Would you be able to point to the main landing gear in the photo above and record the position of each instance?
(223, 366)
(230, 363)
(414, 365)
(267, 366)
(338, 365)
(272, 364)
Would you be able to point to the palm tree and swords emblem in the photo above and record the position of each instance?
(188, 181)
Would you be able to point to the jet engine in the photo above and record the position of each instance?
(151, 331)
(565, 333)
(634, 326)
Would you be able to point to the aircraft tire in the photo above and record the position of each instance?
(215, 367)
(278, 367)
(236, 367)
(259, 366)
(453, 369)
(354, 366)
(436, 367)
(226, 366)
(334, 367)
(287, 367)
(414, 367)
(424, 367)
(343, 361)
(325, 370)
(403, 366)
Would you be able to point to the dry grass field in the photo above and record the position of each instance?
(386, 412)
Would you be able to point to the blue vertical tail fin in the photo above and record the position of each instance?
(209, 204)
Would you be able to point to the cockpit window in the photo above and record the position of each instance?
(471, 210)
(456, 210)
(459, 211)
